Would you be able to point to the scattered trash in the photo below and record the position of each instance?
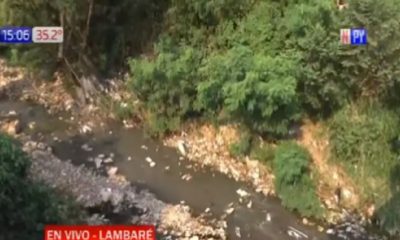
(268, 217)
(108, 160)
(152, 164)
(249, 204)
(242, 193)
(144, 147)
(182, 147)
(112, 171)
(230, 210)
(129, 158)
(330, 231)
(167, 168)
(31, 125)
(97, 162)
(237, 232)
(207, 210)
(149, 160)
(293, 232)
(86, 147)
(12, 113)
(186, 177)
(85, 129)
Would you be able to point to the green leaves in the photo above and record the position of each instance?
(168, 85)
(26, 206)
(292, 180)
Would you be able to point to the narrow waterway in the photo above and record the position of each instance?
(265, 219)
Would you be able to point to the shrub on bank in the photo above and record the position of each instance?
(26, 206)
(293, 183)
(167, 85)
(361, 138)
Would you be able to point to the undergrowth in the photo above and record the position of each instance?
(361, 137)
(293, 182)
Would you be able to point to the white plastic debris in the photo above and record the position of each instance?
(249, 204)
(182, 147)
(268, 217)
(144, 147)
(112, 171)
(237, 232)
(230, 210)
(149, 160)
(242, 193)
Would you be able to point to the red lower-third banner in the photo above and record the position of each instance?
(107, 232)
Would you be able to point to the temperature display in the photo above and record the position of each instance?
(48, 35)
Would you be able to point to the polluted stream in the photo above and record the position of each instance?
(150, 165)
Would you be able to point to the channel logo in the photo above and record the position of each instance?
(353, 36)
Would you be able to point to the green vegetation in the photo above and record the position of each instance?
(293, 182)
(261, 64)
(263, 152)
(26, 206)
(361, 140)
(243, 146)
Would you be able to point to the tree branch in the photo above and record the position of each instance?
(89, 17)
(61, 45)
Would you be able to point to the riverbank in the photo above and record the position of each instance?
(136, 206)
(209, 149)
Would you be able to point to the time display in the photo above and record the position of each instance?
(16, 35)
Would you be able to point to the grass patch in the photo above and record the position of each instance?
(360, 137)
(264, 153)
(243, 146)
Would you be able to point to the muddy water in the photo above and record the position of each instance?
(206, 189)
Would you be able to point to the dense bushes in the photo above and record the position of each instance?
(167, 85)
(252, 88)
(265, 61)
(293, 183)
(26, 206)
